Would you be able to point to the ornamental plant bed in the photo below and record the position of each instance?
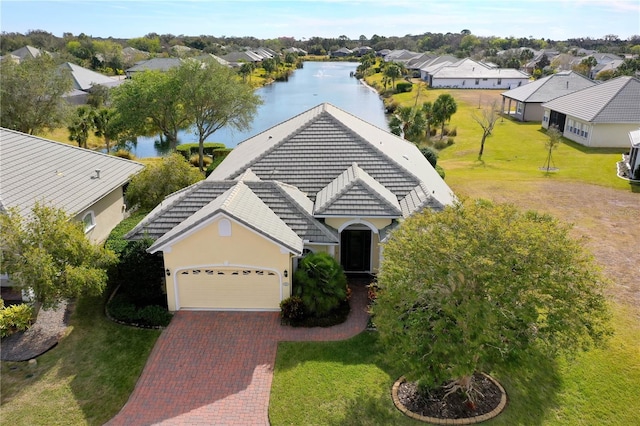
(435, 404)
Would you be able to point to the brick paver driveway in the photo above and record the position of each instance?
(215, 368)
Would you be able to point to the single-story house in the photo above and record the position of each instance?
(236, 59)
(434, 64)
(469, 74)
(529, 98)
(26, 52)
(87, 184)
(83, 81)
(597, 116)
(153, 64)
(340, 53)
(322, 181)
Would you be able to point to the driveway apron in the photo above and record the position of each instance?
(216, 368)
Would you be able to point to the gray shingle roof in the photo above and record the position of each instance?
(551, 87)
(155, 64)
(34, 169)
(614, 101)
(286, 202)
(240, 203)
(84, 78)
(354, 192)
(311, 149)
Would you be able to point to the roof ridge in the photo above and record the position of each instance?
(306, 214)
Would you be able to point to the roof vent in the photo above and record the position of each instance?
(97, 176)
(406, 157)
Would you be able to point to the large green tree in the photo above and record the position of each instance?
(477, 285)
(31, 94)
(151, 101)
(149, 187)
(213, 97)
(49, 255)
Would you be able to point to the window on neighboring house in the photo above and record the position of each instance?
(477, 81)
(519, 107)
(89, 221)
(499, 81)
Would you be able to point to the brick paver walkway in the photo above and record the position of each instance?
(216, 368)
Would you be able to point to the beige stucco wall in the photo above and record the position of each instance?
(611, 135)
(108, 211)
(244, 247)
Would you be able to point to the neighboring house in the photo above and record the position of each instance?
(529, 98)
(153, 64)
(236, 59)
(295, 50)
(341, 53)
(322, 181)
(598, 116)
(470, 74)
(84, 79)
(629, 167)
(608, 67)
(434, 64)
(402, 56)
(362, 50)
(88, 185)
(26, 52)
(211, 57)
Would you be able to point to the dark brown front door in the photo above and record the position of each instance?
(355, 250)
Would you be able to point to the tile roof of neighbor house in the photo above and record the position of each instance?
(614, 101)
(240, 203)
(468, 68)
(155, 64)
(287, 202)
(84, 79)
(27, 52)
(311, 149)
(355, 192)
(34, 169)
(551, 87)
(235, 57)
(438, 62)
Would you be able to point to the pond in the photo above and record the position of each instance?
(315, 83)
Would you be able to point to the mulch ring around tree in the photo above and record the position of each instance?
(436, 409)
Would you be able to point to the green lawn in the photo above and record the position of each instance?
(86, 379)
(347, 383)
(343, 383)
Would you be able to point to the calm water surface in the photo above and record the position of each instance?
(314, 84)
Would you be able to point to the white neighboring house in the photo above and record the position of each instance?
(470, 74)
(631, 162)
(529, 98)
(88, 185)
(598, 116)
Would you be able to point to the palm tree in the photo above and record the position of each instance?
(246, 69)
(103, 123)
(443, 108)
(427, 111)
(80, 126)
(393, 71)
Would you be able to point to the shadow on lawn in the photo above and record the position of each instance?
(532, 384)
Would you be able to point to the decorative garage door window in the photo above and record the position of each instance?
(227, 272)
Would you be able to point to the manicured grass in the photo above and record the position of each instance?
(86, 379)
(331, 383)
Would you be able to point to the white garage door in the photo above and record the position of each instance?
(228, 288)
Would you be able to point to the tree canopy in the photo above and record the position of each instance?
(50, 255)
(478, 284)
(213, 98)
(31, 94)
(149, 187)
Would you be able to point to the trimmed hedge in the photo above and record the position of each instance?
(404, 87)
(189, 149)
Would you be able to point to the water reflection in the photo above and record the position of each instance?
(315, 83)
